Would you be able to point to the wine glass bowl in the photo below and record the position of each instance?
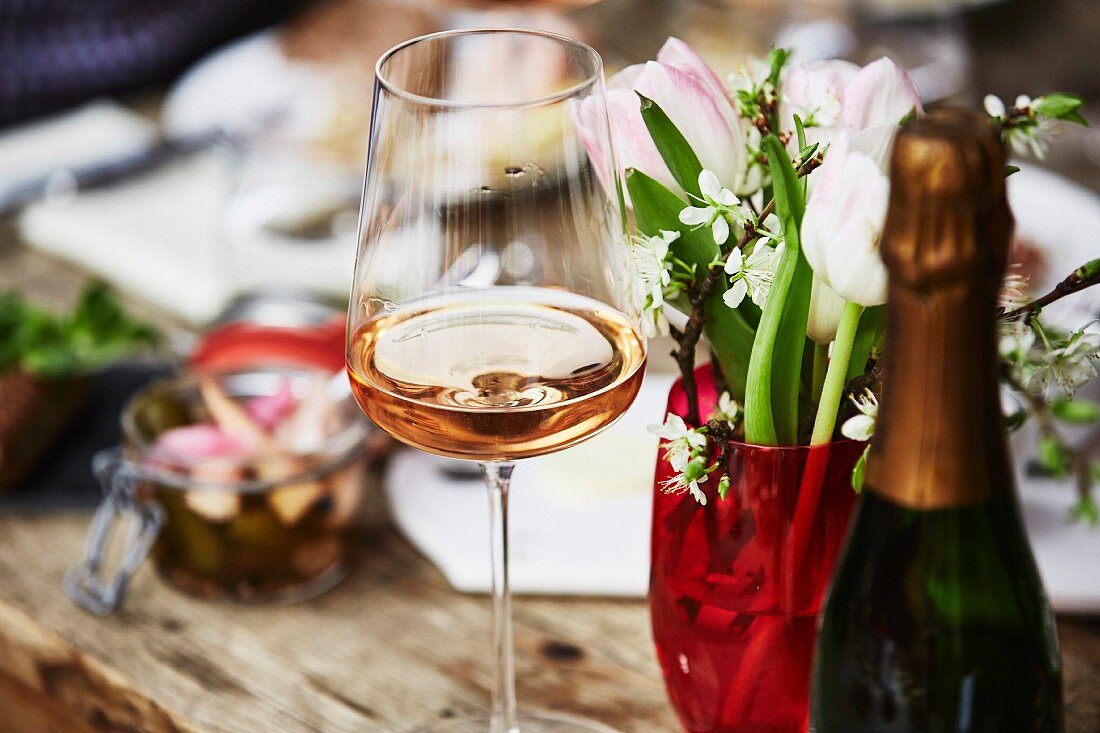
(488, 320)
(491, 317)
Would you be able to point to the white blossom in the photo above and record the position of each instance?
(1068, 366)
(1013, 291)
(1031, 139)
(994, 107)
(749, 76)
(862, 426)
(752, 275)
(650, 275)
(717, 203)
(685, 450)
(680, 483)
(767, 231)
(727, 410)
(1015, 341)
(681, 441)
(1028, 133)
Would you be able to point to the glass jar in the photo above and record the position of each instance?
(268, 527)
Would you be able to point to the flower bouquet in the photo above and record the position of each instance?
(757, 209)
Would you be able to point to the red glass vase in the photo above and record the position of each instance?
(736, 585)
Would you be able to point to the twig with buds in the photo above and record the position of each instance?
(1083, 277)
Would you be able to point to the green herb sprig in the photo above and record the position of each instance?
(97, 333)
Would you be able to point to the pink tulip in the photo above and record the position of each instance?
(880, 94)
(633, 147)
(682, 84)
(815, 92)
(838, 96)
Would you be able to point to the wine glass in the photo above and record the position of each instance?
(491, 316)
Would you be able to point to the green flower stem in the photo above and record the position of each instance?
(821, 363)
(833, 389)
(775, 367)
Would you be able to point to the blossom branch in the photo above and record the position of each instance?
(1083, 277)
(688, 339)
(1078, 460)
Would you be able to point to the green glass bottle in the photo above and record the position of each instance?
(936, 620)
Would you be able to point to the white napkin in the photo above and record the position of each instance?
(579, 519)
(152, 236)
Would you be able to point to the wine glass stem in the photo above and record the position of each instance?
(498, 476)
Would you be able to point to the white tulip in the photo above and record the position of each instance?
(845, 216)
(825, 309)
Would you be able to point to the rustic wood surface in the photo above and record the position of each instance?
(391, 649)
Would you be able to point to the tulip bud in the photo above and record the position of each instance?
(844, 218)
(825, 309)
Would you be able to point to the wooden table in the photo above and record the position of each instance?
(391, 649)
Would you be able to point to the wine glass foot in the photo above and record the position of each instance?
(542, 722)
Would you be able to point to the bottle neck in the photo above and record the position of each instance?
(939, 441)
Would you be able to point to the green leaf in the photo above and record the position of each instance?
(800, 131)
(789, 206)
(656, 208)
(731, 338)
(859, 469)
(11, 318)
(1053, 457)
(673, 147)
(774, 375)
(777, 59)
(1076, 118)
(1010, 169)
(869, 336)
(1078, 411)
(1060, 106)
(97, 333)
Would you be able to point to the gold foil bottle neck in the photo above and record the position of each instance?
(939, 441)
(948, 219)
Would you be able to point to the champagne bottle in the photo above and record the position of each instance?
(936, 620)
